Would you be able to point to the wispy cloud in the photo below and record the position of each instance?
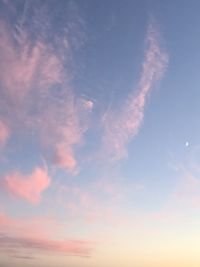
(97, 202)
(67, 247)
(28, 187)
(186, 193)
(36, 93)
(121, 126)
(22, 237)
(31, 65)
(84, 204)
(184, 196)
(31, 227)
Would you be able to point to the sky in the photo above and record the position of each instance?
(99, 133)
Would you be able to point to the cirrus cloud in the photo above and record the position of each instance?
(36, 95)
(121, 126)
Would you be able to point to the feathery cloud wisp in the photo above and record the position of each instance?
(121, 127)
(36, 94)
(30, 65)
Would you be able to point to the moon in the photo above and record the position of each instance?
(187, 144)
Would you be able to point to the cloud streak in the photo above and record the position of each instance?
(121, 127)
(22, 237)
(32, 227)
(66, 247)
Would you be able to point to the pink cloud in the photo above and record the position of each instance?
(67, 121)
(22, 236)
(67, 134)
(121, 127)
(37, 95)
(187, 192)
(64, 158)
(160, 216)
(4, 133)
(28, 187)
(88, 104)
(32, 69)
(80, 199)
(184, 197)
(20, 227)
(86, 204)
(29, 65)
(45, 227)
(66, 247)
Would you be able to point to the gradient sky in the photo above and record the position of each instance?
(99, 133)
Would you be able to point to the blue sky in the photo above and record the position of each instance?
(99, 133)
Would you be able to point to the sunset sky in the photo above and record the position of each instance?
(99, 133)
